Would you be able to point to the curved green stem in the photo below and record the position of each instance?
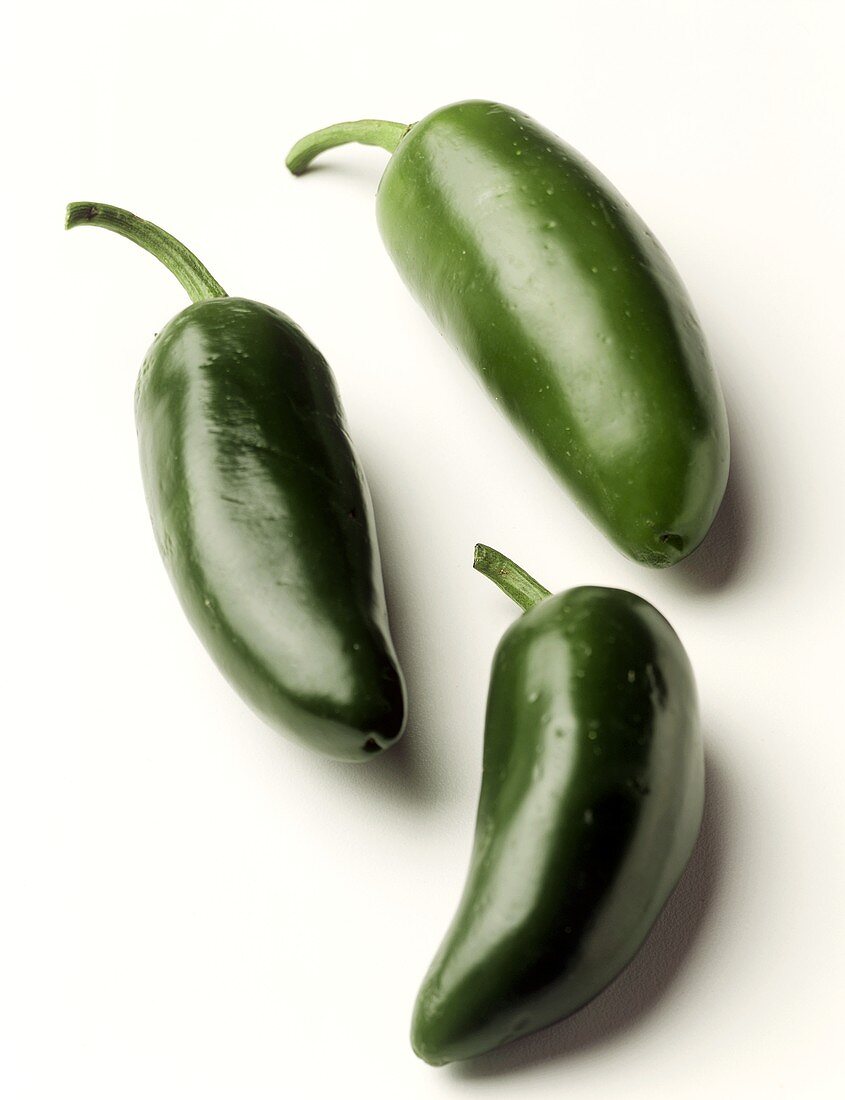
(513, 581)
(368, 131)
(193, 275)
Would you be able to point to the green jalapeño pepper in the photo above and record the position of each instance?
(261, 511)
(591, 800)
(548, 283)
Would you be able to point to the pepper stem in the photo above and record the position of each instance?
(367, 131)
(513, 581)
(193, 275)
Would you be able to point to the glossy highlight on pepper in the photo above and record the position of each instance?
(591, 801)
(553, 289)
(261, 511)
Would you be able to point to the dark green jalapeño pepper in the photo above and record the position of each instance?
(591, 801)
(261, 511)
(548, 283)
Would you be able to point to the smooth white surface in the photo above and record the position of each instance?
(191, 906)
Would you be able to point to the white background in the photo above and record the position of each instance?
(192, 907)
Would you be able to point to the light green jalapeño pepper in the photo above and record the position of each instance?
(549, 284)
